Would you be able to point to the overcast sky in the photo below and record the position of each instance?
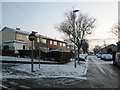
(44, 16)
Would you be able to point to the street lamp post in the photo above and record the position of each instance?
(39, 51)
(74, 11)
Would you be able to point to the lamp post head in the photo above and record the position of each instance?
(34, 32)
(76, 11)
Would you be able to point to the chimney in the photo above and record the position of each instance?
(17, 28)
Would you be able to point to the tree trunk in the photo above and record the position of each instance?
(78, 55)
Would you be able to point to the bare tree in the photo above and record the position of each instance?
(116, 30)
(85, 46)
(96, 49)
(76, 28)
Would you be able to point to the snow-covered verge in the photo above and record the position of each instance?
(10, 58)
(46, 70)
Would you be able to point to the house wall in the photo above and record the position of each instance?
(0, 39)
(62, 46)
(118, 44)
(7, 35)
(118, 35)
(113, 47)
(52, 45)
(18, 46)
(24, 38)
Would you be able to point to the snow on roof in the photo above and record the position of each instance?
(69, 42)
(18, 31)
(27, 33)
(17, 41)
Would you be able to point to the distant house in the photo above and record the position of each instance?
(109, 49)
(118, 44)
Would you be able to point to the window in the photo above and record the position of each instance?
(21, 37)
(60, 44)
(44, 41)
(72, 47)
(23, 47)
(68, 47)
(51, 42)
(64, 44)
(38, 40)
(55, 43)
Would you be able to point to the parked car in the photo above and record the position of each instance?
(117, 59)
(106, 57)
(82, 57)
(98, 55)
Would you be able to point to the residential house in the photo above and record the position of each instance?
(109, 49)
(15, 39)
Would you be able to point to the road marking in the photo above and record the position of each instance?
(26, 87)
(65, 83)
(13, 83)
(98, 65)
(4, 87)
(69, 82)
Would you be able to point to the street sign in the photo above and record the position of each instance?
(32, 37)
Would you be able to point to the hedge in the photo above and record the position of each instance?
(61, 57)
(8, 52)
(27, 53)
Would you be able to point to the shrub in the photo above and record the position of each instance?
(6, 52)
(61, 57)
(27, 53)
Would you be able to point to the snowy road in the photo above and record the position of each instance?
(100, 74)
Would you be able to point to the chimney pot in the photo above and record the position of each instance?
(17, 28)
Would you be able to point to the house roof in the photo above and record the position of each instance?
(118, 42)
(108, 46)
(15, 30)
(17, 41)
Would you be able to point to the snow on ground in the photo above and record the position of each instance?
(10, 58)
(46, 70)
